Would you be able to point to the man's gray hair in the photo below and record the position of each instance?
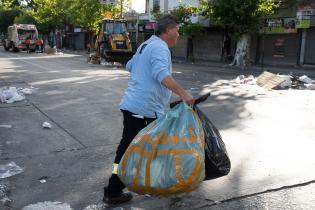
(165, 22)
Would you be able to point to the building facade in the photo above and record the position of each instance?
(287, 38)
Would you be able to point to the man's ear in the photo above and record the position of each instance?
(167, 29)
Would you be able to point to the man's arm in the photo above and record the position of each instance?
(129, 65)
(171, 84)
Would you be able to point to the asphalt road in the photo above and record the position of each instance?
(269, 136)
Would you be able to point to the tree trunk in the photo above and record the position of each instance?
(190, 49)
(242, 54)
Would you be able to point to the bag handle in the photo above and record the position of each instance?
(197, 101)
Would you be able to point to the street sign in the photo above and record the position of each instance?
(303, 15)
(108, 2)
(280, 25)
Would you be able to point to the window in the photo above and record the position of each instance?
(24, 34)
(115, 27)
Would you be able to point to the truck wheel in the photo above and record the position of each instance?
(5, 47)
(15, 49)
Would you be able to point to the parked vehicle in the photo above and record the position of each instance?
(1, 38)
(112, 42)
(21, 37)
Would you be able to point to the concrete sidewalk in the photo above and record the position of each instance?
(308, 70)
(254, 69)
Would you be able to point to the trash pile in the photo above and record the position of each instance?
(271, 81)
(93, 59)
(7, 170)
(12, 94)
(50, 50)
(302, 82)
(4, 199)
(245, 79)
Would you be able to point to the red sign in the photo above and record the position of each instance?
(150, 26)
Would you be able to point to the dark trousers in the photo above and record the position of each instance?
(39, 48)
(132, 126)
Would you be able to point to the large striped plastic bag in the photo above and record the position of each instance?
(167, 157)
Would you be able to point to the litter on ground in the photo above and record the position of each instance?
(9, 169)
(46, 125)
(12, 94)
(271, 81)
(4, 199)
(249, 79)
(5, 126)
(56, 205)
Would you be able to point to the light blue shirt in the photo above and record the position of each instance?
(145, 94)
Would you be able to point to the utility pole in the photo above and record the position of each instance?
(121, 8)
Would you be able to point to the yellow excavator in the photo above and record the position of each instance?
(112, 42)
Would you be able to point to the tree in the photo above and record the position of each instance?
(52, 14)
(9, 4)
(57, 14)
(9, 9)
(183, 14)
(89, 13)
(242, 18)
(7, 18)
(24, 18)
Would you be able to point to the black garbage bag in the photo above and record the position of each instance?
(217, 161)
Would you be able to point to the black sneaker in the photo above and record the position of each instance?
(122, 198)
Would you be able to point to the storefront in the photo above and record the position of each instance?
(306, 23)
(207, 46)
(309, 56)
(279, 42)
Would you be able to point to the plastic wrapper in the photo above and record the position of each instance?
(166, 158)
(9, 169)
(217, 161)
(10, 95)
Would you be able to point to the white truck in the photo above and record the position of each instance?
(17, 35)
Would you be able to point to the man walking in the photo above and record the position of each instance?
(149, 91)
(39, 45)
(27, 44)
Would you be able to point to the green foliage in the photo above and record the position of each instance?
(51, 14)
(9, 4)
(191, 29)
(87, 13)
(9, 9)
(240, 16)
(116, 8)
(24, 18)
(7, 17)
(156, 14)
(183, 14)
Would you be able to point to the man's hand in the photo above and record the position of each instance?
(188, 99)
(171, 84)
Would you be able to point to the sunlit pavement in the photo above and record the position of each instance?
(269, 136)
